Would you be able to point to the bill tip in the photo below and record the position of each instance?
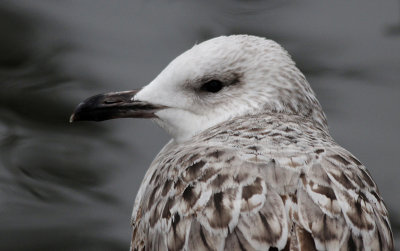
(72, 118)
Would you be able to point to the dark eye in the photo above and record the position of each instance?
(212, 86)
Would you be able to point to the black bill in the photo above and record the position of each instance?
(112, 106)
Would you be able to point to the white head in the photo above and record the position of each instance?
(214, 81)
(226, 77)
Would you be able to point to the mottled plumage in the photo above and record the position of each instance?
(251, 164)
(259, 182)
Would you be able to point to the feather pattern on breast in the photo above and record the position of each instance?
(265, 182)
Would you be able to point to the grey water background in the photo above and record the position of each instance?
(71, 186)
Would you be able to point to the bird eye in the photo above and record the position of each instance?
(212, 86)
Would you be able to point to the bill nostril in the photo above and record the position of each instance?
(111, 101)
(108, 102)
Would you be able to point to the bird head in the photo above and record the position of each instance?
(214, 81)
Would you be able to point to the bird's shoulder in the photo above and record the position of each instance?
(271, 184)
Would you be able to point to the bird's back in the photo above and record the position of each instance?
(270, 181)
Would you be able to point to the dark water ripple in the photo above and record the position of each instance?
(50, 172)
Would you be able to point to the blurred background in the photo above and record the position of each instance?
(72, 186)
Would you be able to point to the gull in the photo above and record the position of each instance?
(251, 164)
